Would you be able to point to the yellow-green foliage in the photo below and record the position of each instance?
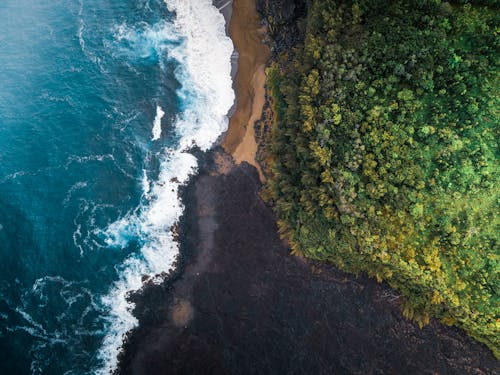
(386, 152)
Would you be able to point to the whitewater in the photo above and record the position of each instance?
(102, 108)
(204, 71)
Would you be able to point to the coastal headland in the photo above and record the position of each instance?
(239, 303)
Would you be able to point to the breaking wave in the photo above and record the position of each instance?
(197, 41)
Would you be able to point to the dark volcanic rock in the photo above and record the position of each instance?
(281, 18)
(243, 305)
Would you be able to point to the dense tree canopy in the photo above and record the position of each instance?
(385, 152)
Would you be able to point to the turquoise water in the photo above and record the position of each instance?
(100, 102)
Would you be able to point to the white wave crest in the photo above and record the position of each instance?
(204, 57)
(157, 123)
(146, 185)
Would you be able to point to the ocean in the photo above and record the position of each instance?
(101, 105)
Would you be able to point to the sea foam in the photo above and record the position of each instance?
(206, 96)
(157, 123)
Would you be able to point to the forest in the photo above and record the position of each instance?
(384, 155)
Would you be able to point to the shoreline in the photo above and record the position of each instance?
(225, 7)
(247, 32)
(238, 302)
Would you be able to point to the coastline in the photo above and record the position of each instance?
(247, 33)
(240, 303)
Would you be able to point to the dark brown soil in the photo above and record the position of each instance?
(242, 305)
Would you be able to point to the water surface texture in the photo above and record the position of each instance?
(100, 102)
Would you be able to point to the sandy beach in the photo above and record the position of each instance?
(247, 33)
(239, 303)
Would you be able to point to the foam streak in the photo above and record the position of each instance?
(157, 123)
(206, 94)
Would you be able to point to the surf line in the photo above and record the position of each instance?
(203, 60)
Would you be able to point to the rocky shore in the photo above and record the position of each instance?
(239, 303)
(242, 305)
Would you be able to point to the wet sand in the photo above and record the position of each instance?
(247, 34)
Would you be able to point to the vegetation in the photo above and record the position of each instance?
(385, 152)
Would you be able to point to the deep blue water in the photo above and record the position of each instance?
(86, 191)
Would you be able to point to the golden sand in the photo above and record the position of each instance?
(247, 33)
